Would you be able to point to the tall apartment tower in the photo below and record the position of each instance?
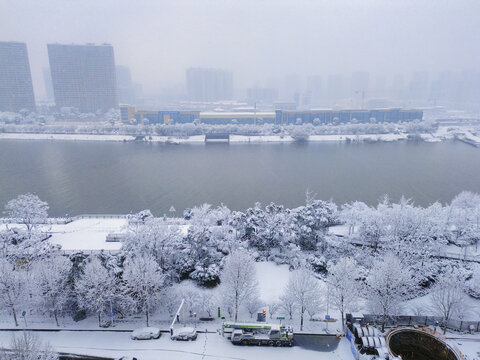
(16, 90)
(83, 76)
(125, 87)
(209, 84)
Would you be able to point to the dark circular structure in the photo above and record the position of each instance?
(415, 344)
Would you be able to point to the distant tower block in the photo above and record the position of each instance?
(83, 76)
(16, 90)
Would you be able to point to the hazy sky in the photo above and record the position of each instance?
(257, 39)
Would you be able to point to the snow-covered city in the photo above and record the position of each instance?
(239, 180)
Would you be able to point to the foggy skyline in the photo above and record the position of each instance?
(260, 41)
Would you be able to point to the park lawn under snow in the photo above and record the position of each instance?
(211, 346)
(91, 233)
(272, 280)
(87, 234)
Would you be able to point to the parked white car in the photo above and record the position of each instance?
(184, 333)
(146, 333)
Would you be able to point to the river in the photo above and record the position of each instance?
(119, 178)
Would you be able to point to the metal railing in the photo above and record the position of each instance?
(406, 320)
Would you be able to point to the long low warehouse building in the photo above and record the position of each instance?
(318, 117)
(280, 117)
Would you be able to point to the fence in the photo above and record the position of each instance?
(49, 221)
(89, 252)
(455, 325)
(439, 254)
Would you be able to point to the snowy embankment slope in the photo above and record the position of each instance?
(441, 135)
(78, 137)
(211, 346)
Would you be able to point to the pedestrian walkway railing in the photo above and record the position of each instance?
(406, 320)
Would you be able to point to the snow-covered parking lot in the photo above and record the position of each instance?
(207, 346)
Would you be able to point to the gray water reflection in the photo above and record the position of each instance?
(97, 177)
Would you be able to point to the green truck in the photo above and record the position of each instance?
(258, 334)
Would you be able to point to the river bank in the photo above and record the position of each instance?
(241, 139)
(443, 133)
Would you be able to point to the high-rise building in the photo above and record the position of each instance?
(261, 94)
(126, 90)
(83, 76)
(292, 88)
(16, 89)
(209, 84)
(336, 89)
(418, 86)
(315, 90)
(359, 87)
(47, 79)
(360, 81)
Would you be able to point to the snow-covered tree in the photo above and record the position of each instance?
(206, 274)
(372, 227)
(143, 281)
(273, 307)
(29, 242)
(265, 229)
(22, 248)
(306, 291)
(51, 284)
(464, 218)
(351, 214)
(238, 279)
(96, 288)
(191, 294)
(448, 297)
(387, 285)
(311, 221)
(201, 216)
(170, 300)
(343, 286)
(207, 301)
(27, 209)
(13, 289)
(288, 303)
(28, 346)
(253, 304)
(199, 257)
(151, 236)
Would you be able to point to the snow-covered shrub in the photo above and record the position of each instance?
(207, 276)
(184, 265)
(299, 133)
(318, 263)
(28, 346)
(473, 285)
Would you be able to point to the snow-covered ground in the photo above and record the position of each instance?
(468, 345)
(272, 280)
(87, 234)
(207, 346)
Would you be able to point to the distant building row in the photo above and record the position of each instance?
(83, 76)
(283, 117)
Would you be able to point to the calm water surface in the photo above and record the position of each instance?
(97, 177)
